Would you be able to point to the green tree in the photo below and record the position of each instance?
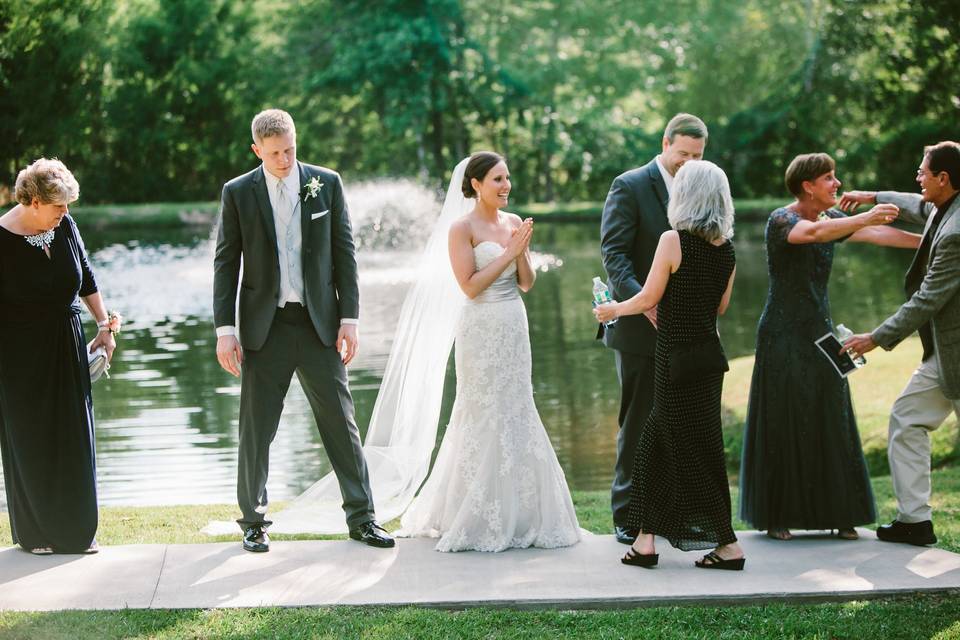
(392, 85)
(183, 81)
(51, 64)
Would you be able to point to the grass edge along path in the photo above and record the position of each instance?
(927, 616)
(181, 524)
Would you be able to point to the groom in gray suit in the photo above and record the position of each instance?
(933, 309)
(298, 309)
(634, 217)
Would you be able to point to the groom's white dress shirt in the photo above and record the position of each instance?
(289, 235)
(286, 221)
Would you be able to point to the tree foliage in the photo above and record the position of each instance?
(151, 99)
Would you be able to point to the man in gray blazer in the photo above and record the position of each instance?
(298, 312)
(933, 309)
(634, 217)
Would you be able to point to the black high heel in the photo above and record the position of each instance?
(714, 561)
(640, 559)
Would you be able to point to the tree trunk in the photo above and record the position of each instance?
(436, 129)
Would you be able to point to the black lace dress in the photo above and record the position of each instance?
(46, 409)
(680, 489)
(802, 466)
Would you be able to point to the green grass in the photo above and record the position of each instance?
(182, 524)
(918, 617)
(751, 208)
(874, 388)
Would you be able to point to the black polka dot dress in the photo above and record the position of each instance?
(679, 486)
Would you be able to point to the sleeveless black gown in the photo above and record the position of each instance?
(680, 489)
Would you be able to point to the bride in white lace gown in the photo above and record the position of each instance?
(496, 483)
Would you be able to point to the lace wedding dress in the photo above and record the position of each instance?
(496, 483)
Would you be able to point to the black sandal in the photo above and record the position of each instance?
(848, 533)
(713, 561)
(640, 559)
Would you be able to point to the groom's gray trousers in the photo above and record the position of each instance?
(292, 346)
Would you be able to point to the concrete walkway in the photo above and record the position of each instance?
(588, 575)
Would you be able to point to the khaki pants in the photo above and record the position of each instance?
(921, 408)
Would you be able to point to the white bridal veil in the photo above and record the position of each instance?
(403, 428)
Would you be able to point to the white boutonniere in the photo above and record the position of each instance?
(823, 216)
(312, 188)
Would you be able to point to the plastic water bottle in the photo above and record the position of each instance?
(843, 334)
(601, 295)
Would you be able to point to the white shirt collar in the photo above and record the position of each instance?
(667, 178)
(291, 182)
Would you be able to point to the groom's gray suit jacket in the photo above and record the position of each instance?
(634, 218)
(933, 289)
(247, 231)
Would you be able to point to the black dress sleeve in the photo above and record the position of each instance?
(88, 283)
(780, 225)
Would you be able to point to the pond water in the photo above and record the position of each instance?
(166, 420)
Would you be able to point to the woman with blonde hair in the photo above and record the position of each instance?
(46, 408)
(679, 487)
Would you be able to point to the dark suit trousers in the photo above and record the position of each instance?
(292, 346)
(636, 400)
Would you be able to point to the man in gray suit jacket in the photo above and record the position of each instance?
(298, 312)
(933, 309)
(634, 217)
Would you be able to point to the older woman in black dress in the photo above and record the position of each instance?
(803, 466)
(680, 489)
(46, 409)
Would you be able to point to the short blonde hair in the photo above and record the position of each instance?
(271, 122)
(47, 180)
(700, 201)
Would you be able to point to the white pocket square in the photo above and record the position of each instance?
(320, 214)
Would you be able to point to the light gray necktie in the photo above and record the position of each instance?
(285, 212)
(283, 204)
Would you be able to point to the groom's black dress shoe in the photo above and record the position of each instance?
(255, 539)
(625, 535)
(372, 534)
(916, 533)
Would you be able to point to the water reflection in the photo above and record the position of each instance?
(167, 417)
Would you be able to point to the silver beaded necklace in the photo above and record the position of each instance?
(40, 240)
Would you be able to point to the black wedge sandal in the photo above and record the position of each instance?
(848, 533)
(713, 561)
(640, 559)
